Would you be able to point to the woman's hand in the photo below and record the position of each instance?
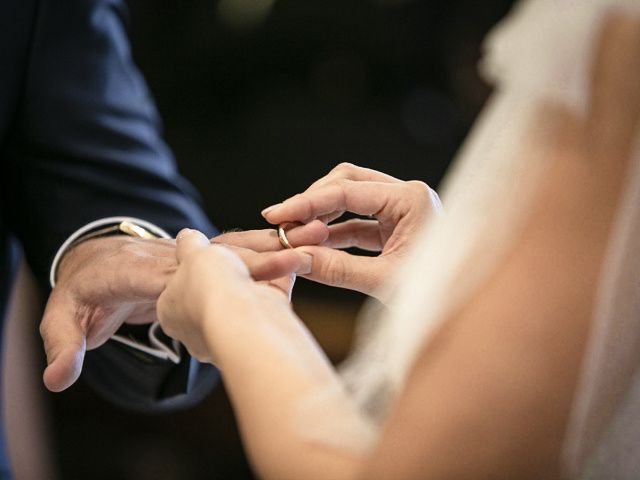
(397, 210)
(266, 240)
(215, 288)
(251, 244)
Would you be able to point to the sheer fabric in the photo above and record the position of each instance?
(541, 54)
(603, 440)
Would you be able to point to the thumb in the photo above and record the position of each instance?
(188, 242)
(341, 269)
(64, 342)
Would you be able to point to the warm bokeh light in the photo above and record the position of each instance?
(244, 14)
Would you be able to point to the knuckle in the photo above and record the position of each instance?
(336, 270)
(43, 329)
(297, 197)
(128, 250)
(305, 205)
(167, 270)
(168, 328)
(418, 187)
(343, 166)
(342, 189)
(344, 169)
(419, 190)
(277, 263)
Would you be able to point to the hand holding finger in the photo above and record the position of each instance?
(400, 208)
(278, 269)
(341, 269)
(213, 283)
(313, 233)
(272, 265)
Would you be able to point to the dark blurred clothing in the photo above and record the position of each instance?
(80, 140)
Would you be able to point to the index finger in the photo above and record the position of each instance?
(349, 171)
(359, 197)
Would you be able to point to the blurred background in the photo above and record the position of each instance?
(259, 98)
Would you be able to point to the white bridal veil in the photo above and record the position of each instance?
(541, 53)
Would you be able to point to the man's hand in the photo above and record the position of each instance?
(105, 282)
(101, 283)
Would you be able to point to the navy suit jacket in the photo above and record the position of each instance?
(80, 140)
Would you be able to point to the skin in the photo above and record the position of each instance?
(398, 210)
(105, 282)
(489, 396)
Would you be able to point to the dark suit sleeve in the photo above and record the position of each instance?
(87, 145)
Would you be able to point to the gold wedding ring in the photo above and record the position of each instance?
(283, 238)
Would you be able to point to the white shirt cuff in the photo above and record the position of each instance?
(103, 222)
(156, 347)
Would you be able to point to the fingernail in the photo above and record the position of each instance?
(269, 209)
(184, 232)
(306, 264)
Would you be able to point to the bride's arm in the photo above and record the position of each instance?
(268, 360)
(268, 375)
(278, 367)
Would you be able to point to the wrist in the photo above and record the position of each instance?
(259, 316)
(126, 226)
